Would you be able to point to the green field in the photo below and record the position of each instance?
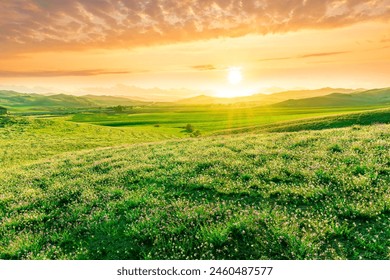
(208, 119)
(257, 183)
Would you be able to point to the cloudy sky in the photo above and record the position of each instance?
(86, 46)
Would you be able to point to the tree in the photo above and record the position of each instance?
(119, 109)
(189, 128)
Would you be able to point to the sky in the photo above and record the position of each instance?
(182, 48)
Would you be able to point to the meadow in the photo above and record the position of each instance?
(208, 118)
(26, 139)
(85, 191)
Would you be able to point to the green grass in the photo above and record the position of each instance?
(365, 98)
(208, 119)
(298, 195)
(115, 186)
(24, 140)
(319, 123)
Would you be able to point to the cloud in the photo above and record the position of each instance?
(276, 58)
(321, 54)
(90, 72)
(33, 25)
(305, 56)
(206, 67)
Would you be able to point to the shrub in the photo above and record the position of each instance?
(189, 128)
(196, 133)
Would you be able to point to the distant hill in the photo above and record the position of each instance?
(297, 98)
(105, 100)
(16, 99)
(300, 94)
(265, 99)
(364, 98)
(205, 99)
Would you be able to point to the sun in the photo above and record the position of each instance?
(234, 75)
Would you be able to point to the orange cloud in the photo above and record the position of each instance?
(206, 67)
(305, 56)
(90, 72)
(321, 54)
(33, 25)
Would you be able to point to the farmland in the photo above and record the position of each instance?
(77, 187)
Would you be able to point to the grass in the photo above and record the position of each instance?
(292, 195)
(208, 119)
(24, 140)
(319, 123)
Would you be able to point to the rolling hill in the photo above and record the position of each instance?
(365, 98)
(371, 117)
(14, 99)
(264, 99)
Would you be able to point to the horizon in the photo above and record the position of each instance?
(200, 94)
(217, 48)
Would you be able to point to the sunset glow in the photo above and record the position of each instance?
(234, 75)
(183, 48)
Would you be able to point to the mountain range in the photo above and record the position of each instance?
(265, 99)
(296, 98)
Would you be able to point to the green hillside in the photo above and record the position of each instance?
(24, 140)
(370, 117)
(292, 183)
(365, 98)
(307, 195)
(15, 99)
(320, 194)
(12, 99)
(299, 98)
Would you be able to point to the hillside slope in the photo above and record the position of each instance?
(24, 140)
(15, 99)
(365, 98)
(307, 195)
(370, 117)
